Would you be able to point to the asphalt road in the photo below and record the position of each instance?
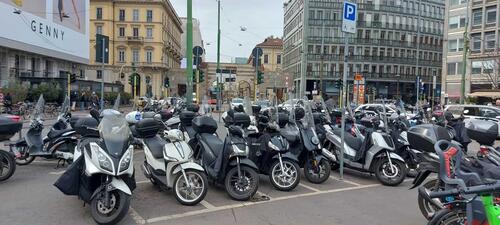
(29, 197)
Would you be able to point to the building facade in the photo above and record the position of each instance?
(395, 41)
(237, 80)
(271, 64)
(472, 27)
(145, 36)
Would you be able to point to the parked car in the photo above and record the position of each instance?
(475, 112)
(236, 102)
(374, 108)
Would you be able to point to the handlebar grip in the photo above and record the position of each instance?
(487, 188)
(439, 194)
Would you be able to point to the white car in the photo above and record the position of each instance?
(236, 102)
(476, 112)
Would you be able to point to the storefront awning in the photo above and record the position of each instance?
(489, 94)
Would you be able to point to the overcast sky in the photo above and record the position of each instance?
(262, 18)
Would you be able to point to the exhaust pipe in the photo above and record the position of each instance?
(329, 155)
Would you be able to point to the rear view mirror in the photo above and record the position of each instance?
(466, 111)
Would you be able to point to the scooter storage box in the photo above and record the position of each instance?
(282, 119)
(482, 131)
(165, 114)
(193, 107)
(204, 124)
(423, 137)
(147, 128)
(241, 119)
(187, 117)
(8, 128)
(75, 118)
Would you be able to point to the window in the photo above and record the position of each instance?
(266, 59)
(122, 15)
(135, 15)
(452, 45)
(121, 31)
(98, 13)
(476, 42)
(121, 55)
(476, 67)
(149, 56)
(98, 29)
(452, 68)
(99, 74)
(477, 17)
(456, 22)
(149, 32)
(135, 55)
(488, 66)
(135, 31)
(149, 16)
(278, 59)
(491, 15)
(490, 40)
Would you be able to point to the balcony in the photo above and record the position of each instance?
(150, 64)
(135, 39)
(389, 77)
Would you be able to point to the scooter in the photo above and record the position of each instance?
(168, 163)
(226, 162)
(373, 153)
(8, 128)
(102, 174)
(58, 144)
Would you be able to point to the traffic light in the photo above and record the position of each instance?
(131, 79)
(201, 76)
(72, 78)
(338, 83)
(193, 77)
(260, 77)
(166, 82)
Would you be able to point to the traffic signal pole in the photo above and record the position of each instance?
(69, 84)
(189, 52)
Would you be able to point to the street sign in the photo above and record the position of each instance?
(197, 51)
(257, 52)
(358, 77)
(349, 17)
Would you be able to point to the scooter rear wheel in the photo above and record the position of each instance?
(25, 158)
(449, 217)
(427, 208)
(7, 165)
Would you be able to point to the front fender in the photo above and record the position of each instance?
(392, 155)
(188, 165)
(116, 184)
(244, 161)
(420, 178)
(287, 155)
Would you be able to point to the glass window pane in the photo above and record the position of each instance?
(451, 68)
(491, 14)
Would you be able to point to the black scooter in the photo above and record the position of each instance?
(8, 128)
(226, 161)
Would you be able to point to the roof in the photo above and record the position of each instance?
(271, 42)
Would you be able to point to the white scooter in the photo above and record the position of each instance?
(168, 162)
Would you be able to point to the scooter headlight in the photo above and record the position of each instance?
(239, 152)
(104, 161)
(315, 140)
(125, 161)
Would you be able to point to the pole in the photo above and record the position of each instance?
(433, 91)
(397, 87)
(189, 52)
(305, 30)
(357, 94)
(135, 88)
(418, 54)
(197, 85)
(344, 101)
(464, 60)
(322, 57)
(103, 43)
(69, 84)
(256, 76)
(219, 92)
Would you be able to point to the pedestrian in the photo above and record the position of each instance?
(82, 101)
(73, 98)
(7, 101)
(94, 100)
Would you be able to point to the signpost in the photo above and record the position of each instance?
(197, 52)
(256, 53)
(349, 16)
(102, 55)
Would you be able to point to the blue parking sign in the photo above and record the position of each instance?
(349, 17)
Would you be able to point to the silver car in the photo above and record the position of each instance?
(476, 112)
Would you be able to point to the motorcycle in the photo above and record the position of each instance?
(102, 174)
(8, 128)
(373, 153)
(304, 142)
(58, 144)
(168, 163)
(226, 162)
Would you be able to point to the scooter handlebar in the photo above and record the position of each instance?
(481, 189)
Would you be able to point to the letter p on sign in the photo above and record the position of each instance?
(349, 17)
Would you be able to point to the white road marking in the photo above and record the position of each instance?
(45, 162)
(309, 187)
(345, 181)
(136, 217)
(238, 205)
(142, 182)
(207, 204)
(57, 173)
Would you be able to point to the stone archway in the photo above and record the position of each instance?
(244, 88)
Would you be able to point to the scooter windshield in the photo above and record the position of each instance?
(37, 113)
(115, 132)
(247, 106)
(324, 109)
(308, 120)
(65, 107)
(116, 106)
(205, 107)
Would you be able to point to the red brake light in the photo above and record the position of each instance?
(15, 118)
(483, 150)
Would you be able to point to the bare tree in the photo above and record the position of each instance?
(491, 68)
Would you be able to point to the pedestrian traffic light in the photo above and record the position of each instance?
(72, 78)
(260, 77)
(166, 82)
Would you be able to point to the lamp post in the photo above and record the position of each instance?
(397, 87)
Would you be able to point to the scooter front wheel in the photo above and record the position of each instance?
(7, 165)
(287, 178)
(195, 191)
(427, 208)
(390, 175)
(449, 217)
(317, 172)
(242, 187)
(112, 213)
(24, 157)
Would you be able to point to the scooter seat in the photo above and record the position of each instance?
(353, 142)
(214, 143)
(155, 145)
(56, 133)
(191, 132)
